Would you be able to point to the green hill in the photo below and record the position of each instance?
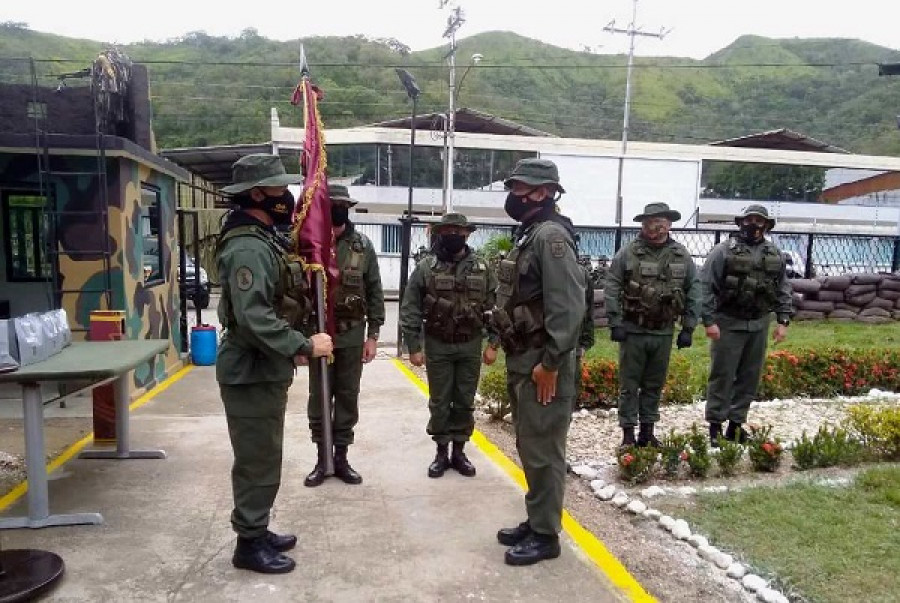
(214, 90)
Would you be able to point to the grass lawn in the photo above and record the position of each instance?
(828, 543)
(801, 336)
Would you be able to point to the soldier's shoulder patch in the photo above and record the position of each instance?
(558, 247)
(244, 278)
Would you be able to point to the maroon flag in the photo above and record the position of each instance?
(313, 237)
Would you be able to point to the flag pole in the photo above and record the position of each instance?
(321, 363)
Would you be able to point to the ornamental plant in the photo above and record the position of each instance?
(698, 453)
(730, 454)
(673, 453)
(804, 453)
(764, 451)
(877, 428)
(636, 465)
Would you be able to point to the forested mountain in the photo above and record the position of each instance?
(214, 90)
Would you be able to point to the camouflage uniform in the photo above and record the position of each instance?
(744, 282)
(649, 288)
(449, 296)
(359, 314)
(540, 284)
(263, 308)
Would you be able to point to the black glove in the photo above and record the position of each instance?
(685, 339)
(618, 333)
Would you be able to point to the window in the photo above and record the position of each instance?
(391, 238)
(151, 233)
(26, 237)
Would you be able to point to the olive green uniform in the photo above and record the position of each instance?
(450, 299)
(742, 285)
(540, 285)
(586, 338)
(649, 288)
(263, 306)
(359, 313)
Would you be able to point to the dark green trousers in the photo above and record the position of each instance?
(453, 371)
(344, 374)
(541, 433)
(255, 415)
(643, 365)
(736, 363)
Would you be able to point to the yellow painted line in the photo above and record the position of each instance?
(22, 487)
(592, 546)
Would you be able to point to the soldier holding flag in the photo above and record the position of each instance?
(264, 304)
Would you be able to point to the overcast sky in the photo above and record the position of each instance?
(698, 27)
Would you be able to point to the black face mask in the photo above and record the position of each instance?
(752, 232)
(515, 207)
(280, 208)
(452, 243)
(340, 215)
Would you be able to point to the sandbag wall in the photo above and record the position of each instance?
(870, 298)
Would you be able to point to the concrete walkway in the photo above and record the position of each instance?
(399, 536)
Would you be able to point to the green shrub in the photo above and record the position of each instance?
(835, 447)
(804, 453)
(877, 428)
(636, 465)
(493, 392)
(673, 452)
(698, 454)
(730, 453)
(765, 452)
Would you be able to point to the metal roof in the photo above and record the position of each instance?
(213, 164)
(782, 139)
(467, 120)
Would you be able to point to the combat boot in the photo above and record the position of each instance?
(513, 536)
(440, 463)
(646, 437)
(736, 433)
(627, 437)
(257, 555)
(281, 542)
(533, 548)
(317, 475)
(460, 461)
(342, 468)
(715, 432)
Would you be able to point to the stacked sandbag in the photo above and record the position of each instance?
(599, 309)
(870, 298)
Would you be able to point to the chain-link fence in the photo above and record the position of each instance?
(809, 254)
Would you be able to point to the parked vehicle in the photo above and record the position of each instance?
(194, 289)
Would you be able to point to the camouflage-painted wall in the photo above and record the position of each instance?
(152, 312)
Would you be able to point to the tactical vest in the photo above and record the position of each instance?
(453, 305)
(751, 284)
(350, 305)
(293, 298)
(518, 322)
(653, 295)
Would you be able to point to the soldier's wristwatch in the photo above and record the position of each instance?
(374, 336)
(784, 321)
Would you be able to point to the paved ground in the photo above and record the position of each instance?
(398, 536)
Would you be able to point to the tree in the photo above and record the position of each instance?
(727, 180)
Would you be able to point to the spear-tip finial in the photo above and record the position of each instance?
(304, 66)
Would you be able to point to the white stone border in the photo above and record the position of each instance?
(680, 530)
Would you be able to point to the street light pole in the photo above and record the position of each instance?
(412, 90)
(454, 22)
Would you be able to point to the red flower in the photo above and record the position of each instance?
(627, 460)
(684, 456)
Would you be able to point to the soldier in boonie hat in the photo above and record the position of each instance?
(533, 183)
(656, 221)
(260, 183)
(755, 210)
(259, 169)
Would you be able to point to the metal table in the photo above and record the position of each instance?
(98, 362)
